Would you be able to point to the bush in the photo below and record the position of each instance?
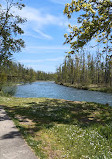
(9, 90)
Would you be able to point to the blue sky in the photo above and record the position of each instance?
(44, 34)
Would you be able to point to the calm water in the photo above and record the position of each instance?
(52, 90)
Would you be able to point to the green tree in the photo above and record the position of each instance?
(9, 29)
(95, 21)
(64, 71)
(59, 74)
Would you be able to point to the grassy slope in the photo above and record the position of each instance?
(63, 129)
(91, 87)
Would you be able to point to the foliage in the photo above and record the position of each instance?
(84, 69)
(9, 90)
(63, 129)
(17, 73)
(3, 79)
(94, 21)
(9, 29)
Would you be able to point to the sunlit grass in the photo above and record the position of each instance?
(63, 129)
(81, 143)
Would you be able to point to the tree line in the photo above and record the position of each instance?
(12, 72)
(86, 69)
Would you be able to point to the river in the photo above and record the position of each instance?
(52, 90)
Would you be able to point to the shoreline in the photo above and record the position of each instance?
(89, 87)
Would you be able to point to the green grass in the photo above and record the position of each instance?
(91, 87)
(63, 129)
(102, 89)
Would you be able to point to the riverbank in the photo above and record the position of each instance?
(90, 87)
(8, 89)
(62, 129)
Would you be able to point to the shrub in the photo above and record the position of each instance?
(9, 90)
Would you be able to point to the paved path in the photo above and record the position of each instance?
(12, 145)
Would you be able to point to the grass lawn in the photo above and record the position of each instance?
(57, 129)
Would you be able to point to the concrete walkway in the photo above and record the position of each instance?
(12, 145)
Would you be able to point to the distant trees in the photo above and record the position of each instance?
(85, 69)
(15, 73)
(9, 29)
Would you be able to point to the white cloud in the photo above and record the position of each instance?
(35, 49)
(37, 20)
(42, 60)
(32, 35)
(42, 34)
(45, 49)
(36, 33)
(41, 18)
(36, 15)
(48, 47)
